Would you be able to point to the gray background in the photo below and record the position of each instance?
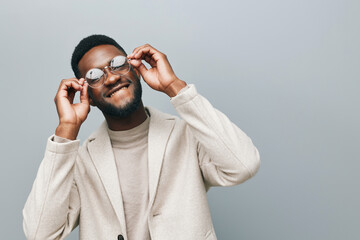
(285, 71)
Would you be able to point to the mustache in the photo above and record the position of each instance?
(121, 81)
(126, 79)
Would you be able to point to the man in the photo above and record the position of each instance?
(143, 174)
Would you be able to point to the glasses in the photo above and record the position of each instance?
(119, 65)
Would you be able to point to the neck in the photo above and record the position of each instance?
(133, 120)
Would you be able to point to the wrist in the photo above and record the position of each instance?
(174, 88)
(68, 131)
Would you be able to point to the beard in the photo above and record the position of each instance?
(128, 108)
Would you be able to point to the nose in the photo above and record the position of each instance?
(111, 78)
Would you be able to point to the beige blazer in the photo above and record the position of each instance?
(80, 186)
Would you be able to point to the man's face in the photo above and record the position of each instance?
(121, 102)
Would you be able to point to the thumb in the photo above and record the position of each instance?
(139, 66)
(84, 96)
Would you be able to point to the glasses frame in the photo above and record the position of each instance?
(112, 71)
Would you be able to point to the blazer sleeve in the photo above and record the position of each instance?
(53, 205)
(226, 154)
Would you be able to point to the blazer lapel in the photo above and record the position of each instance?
(161, 125)
(103, 158)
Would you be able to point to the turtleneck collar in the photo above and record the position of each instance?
(132, 137)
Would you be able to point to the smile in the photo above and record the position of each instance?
(116, 89)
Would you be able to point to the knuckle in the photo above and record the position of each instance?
(64, 81)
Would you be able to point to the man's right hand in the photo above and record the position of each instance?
(71, 115)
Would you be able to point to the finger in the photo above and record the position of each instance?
(140, 52)
(70, 83)
(140, 66)
(137, 49)
(73, 90)
(71, 95)
(81, 81)
(135, 63)
(65, 81)
(148, 54)
(151, 61)
(66, 92)
(68, 86)
(84, 97)
(146, 51)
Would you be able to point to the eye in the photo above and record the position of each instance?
(94, 75)
(118, 62)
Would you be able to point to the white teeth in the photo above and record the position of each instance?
(118, 90)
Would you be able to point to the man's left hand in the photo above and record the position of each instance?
(160, 76)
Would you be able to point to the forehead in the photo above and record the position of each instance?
(98, 57)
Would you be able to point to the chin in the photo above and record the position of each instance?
(121, 112)
(123, 108)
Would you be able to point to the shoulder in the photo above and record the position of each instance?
(161, 122)
(100, 133)
(158, 117)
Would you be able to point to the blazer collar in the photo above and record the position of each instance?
(102, 156)
(161, 125)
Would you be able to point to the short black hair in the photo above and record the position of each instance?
(88, 43)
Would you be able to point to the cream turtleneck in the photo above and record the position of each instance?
(130, 149)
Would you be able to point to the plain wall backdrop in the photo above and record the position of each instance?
(285, 71)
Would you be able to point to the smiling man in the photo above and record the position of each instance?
(143, 174)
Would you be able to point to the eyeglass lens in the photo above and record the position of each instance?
(118, 65)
